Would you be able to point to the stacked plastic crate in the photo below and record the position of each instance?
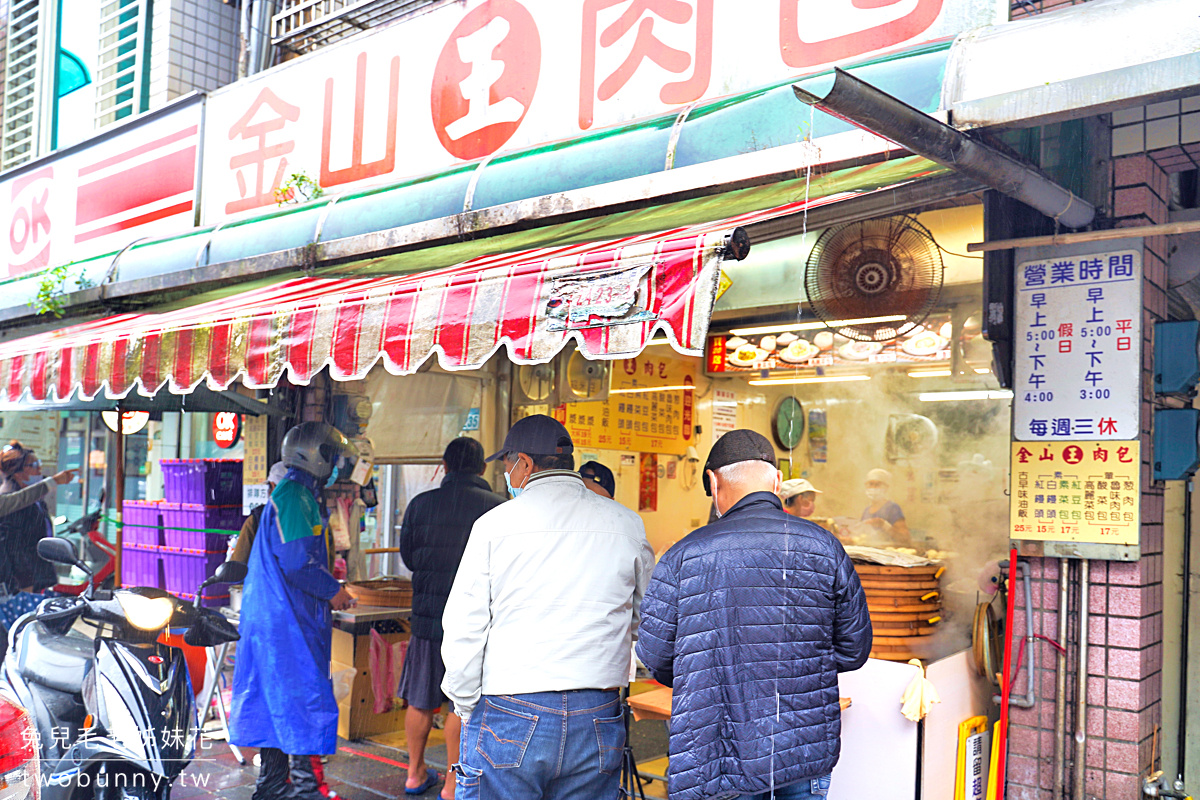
(204, 504)
(141, 553)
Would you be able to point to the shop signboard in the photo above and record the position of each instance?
(226, 429)
(1081, 492)
(97, 197)
(650, 407)
(1078, 344)
(467, 80)
(254, 451)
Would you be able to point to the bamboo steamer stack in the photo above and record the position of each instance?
(905, 604)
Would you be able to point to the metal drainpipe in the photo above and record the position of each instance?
(1185, 613)
(862, 104)
(1060, 694)
(1080, 787)
(1030, 698)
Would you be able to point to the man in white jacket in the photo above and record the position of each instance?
(538, 628)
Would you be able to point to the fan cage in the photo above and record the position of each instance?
(873, 268)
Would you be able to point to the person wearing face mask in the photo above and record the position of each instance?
(26, 521)
(799, 497)
(881, 512)
(749, 620)
(538, 628)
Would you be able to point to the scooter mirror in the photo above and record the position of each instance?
(230, 572)
(58, 551)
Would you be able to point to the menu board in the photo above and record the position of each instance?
(1085, 491)
(650, 407)
(790, 350)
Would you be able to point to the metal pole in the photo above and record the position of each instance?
(119, 492)
(1060, 679)
(85, 474)
(1080, 785)
(1185, 613)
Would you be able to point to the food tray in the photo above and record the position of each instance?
(387, 592)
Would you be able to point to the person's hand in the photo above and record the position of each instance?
(66, 476)
(343, 600)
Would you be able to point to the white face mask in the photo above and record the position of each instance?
(874, 494)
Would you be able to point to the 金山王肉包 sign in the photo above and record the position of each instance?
(1079, 492)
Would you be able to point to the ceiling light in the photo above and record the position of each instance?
(982, 371)
(813, 326)
(636, 389)
(815, 379)
(930, 373)
(930, 397)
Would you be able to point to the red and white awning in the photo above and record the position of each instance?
(610, 297)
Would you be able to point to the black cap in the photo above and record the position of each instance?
(536, 435)
(599, 474)
(735, 446)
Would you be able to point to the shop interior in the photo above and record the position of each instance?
(900, 380)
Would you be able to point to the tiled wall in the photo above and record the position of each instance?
(1173, 125)
(1125, 631)
(195, 47)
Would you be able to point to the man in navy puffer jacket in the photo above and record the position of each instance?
(750, 619)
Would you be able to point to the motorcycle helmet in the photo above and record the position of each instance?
(318, 448)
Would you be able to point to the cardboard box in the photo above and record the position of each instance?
(356, 717)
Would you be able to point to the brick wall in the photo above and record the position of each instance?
(1125, 631)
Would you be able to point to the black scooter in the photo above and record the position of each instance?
(113, 708)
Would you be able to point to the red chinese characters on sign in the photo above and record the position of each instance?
(850, 28)
(266, 115)
(637, 33)
(358, 170)
(485, 79)
(29, 222)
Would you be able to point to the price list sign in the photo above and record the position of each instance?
(1078, 347)
(1086, 492)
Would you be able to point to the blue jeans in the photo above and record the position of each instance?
(807, 789)
(552, 745)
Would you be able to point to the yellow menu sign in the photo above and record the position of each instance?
(650, 407)
(1076, 492)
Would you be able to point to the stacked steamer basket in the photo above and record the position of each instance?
(905, 605)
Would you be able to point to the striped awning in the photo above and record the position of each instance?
(609, 297)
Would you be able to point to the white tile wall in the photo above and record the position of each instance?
(1158, 127)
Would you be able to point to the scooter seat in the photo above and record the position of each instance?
(55, 660)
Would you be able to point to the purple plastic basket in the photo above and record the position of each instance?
(187, 569)
(182, 524)
(142, 522)
(140, 566)
(202, 481)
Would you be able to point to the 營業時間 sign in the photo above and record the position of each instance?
(1076, 492)
(1078, 344)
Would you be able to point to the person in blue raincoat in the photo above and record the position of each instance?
(283, 699)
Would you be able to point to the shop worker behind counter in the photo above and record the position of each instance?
(538, 629)
(750, 619)
(433, 536)
(282, 693)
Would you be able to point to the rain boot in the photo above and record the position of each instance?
(304, 785)
(272, 781)
(319, 774)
